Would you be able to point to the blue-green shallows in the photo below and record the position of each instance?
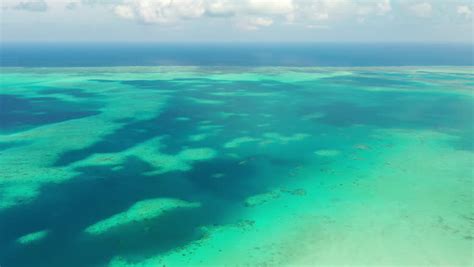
(188, 166)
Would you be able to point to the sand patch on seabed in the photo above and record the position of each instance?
(279, 75)
(263, 198)
(265, 139)
(16, 76)
(327, 153)
(205, 131)
(140, 211)
(149, 152)
(32, 237)
(198, 137)
(430, 225)
(239, 141)
(204, 101)
(233, 114)
(430, 80)
(246, 94)
(313, 116)
(363, 222)
(13, 76)
(282, 139)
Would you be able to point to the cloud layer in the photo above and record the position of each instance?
(361, 20)
(256, 14)
(247, 14)
(31, 5)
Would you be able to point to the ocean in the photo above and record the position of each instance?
(231, 156)
(235, 54)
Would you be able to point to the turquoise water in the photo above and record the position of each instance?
(186, 166)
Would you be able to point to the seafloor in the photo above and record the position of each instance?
(185, 166)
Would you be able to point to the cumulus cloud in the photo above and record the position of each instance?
(422, 10)
(328, 10)
(319, 27)
(270, 7)
(250, 14)
(371, 8)
(464, 11)
(221, 8)
(316, 10)
(256, 14)
(32, 5)
(124, 11)
(160, 11)
(72, 5)
(99, 2)
(383, 7)
(252, 24)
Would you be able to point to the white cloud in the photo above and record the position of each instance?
(366, 9)
(160, 11)
(125, 12)
(319, 27)
(308, 12)
(251, 14)
(253, 24)
(221, 8)
(464, 11)
(270, 7)
(72, 5)
(263, 22)
(321, 16)
(422, 10)
(448, 20)
(383, 7)
(255, 14)
(32, 5)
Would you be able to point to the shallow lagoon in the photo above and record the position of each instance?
(153, 166)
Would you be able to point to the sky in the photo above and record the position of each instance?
(237, 21)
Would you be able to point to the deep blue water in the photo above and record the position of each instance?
(270, 54)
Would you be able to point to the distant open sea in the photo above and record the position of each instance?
(227, 54)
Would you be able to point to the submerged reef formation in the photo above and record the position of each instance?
(32, 237)
(272, 195)
(140, 211)
(327, 153)
(238, 166)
